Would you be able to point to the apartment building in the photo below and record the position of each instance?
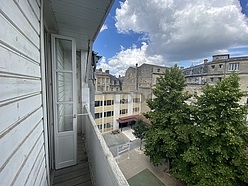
(106, 81)
(110, 106)
(220, 67)
(46, 93)
(142, 79)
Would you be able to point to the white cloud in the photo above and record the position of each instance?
(129, 57)
(104, 27)
(181, 29)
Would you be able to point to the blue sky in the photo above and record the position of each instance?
(169, 32)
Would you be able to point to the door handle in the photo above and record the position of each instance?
(74, 116)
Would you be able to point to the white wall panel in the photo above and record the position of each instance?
(10, 36)
(25, 174)
(22, 151)
(16, 110)
(12, 63)
(17, 159)
(20, 132)
(29, 14)
(14, 14)
(14, 86)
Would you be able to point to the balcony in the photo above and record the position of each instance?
(96, 164)
(103, 166)
(78, 174)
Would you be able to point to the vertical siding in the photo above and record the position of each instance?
(22, 152)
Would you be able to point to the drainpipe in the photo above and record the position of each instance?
(225, 70)
(136, 77)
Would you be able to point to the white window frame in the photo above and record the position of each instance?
(233, 67)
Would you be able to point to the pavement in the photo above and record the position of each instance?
(129, 134)
(135, 161)
(114, 140)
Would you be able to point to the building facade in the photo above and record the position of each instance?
(142, 79)
(211, 72)
(110, 106)
(106, 81)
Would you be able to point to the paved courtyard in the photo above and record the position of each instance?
(138, 162)
(134, 162)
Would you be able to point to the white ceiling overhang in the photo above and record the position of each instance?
(80, 19)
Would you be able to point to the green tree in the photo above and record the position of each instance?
(168, 135)
(216, 155)
(140, 129)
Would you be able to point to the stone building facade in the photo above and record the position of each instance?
(142, 79)
(106, 81)
(211, 72)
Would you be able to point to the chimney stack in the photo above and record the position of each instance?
(107, 71)
(205, 61)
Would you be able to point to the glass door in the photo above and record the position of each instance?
(64, 98)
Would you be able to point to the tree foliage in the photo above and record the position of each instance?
(140, 129)
(217, 154)
(204, 142)
(170, 118)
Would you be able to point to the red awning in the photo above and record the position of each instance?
(133, 118)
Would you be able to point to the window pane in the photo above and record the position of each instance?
(64, 86)
(63, 54)
(65, 117)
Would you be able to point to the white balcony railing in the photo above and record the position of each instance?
(104, 169)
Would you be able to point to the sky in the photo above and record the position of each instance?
(168, 32)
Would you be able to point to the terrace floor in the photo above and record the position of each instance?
(75, 175)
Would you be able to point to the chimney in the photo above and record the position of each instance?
(181, 68)
(107, 71)
(100, 69)
(205, 61)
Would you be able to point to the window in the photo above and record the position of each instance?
(136, 109)
(98, 103)
(136, 100)
(108, 125)
(108, 102)
(123, 111)
(111, 89)
(107, 81)
(211, 79)
(221, 65)
(219, 78)
(108, 113)
(107, 88)
(103, 80)
(123, 101)
(233, 66)
(98, 115)
(99, 127)
(158, 70)
(213, 66)
(98, 80)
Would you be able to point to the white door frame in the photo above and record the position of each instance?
(65, 140)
